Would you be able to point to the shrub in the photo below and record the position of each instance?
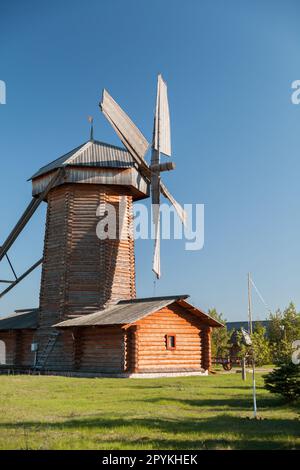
(284, 328)
(220, 336)
(284, 380)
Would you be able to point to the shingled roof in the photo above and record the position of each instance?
(21, 319)
(91, 154)
(129, 311)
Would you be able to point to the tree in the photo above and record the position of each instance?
(284, 380)
(258, 344)
(220, 336)
(284, 329)
(261, 345)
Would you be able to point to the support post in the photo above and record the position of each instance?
(253, 358)
(244, 374)
(30, 210)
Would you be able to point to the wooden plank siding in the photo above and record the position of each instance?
(148, 342)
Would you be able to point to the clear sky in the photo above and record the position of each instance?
(229, 65)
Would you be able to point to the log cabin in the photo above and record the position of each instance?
(140, 337)
(89, 321)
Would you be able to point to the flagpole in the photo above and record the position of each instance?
(253, 358)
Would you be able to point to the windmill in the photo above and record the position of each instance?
(137, 145)
(91, 280)
(103, 168)
(93, 155)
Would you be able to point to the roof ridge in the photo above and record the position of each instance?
(149, 299)
(95, 141)
(77, 153)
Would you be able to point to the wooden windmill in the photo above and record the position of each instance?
(89, 319)
(81, 273)
(74, 186)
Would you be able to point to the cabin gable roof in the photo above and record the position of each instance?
(126, 312)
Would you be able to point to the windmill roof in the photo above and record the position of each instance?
(130, 311)
(91, 154)
(21, 319)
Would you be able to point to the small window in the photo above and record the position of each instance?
(170, 342)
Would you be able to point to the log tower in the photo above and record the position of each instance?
(82, 273)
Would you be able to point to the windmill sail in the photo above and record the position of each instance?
(155, 189)
(156, 258)
(179, 209)
(137, 146)
(162, 129)
(129, 134)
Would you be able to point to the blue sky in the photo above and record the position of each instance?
(229, 67)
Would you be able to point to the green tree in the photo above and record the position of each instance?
(261, 345)
(284, 329)
(220, 336)
(284, 380)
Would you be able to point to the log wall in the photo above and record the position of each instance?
(147, 339)
(101, 350)
(81, 273)
(62, 355)
(18, 347)
(9, 339)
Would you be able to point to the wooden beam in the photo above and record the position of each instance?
(30, 210)
(20, 278)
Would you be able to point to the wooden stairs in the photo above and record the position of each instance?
(43, 356)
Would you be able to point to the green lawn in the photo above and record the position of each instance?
(171, 413)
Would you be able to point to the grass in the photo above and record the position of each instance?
(170, 413)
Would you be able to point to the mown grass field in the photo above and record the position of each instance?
(170, 413)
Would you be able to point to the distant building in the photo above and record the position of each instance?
(237, 325)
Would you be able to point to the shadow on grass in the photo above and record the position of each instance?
(243, 388)
(222, 431)
(218, 404)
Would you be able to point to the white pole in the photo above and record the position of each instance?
(253, 358)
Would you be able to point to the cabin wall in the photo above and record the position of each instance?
(25, 357)
(100, 349)
(62, 355)
(147, 340)
(18, 347)
(9, 339)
